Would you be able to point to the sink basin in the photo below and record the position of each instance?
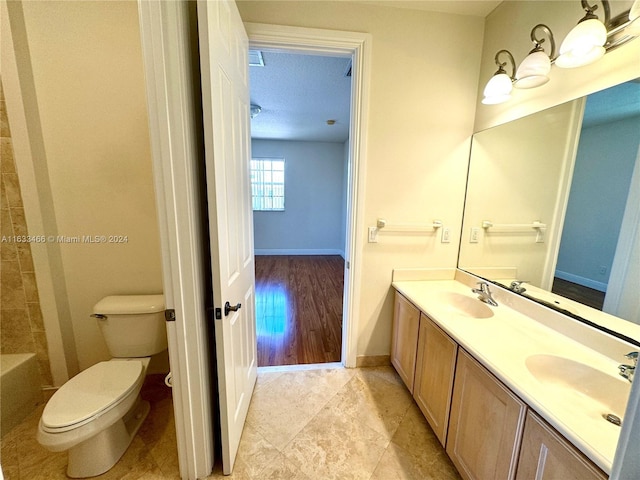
(581, 386)
(463, 305)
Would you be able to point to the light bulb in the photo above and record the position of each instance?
(583, 44)
(498, 89)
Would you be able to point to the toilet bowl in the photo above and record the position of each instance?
(96, 414)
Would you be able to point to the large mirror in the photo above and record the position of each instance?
(553, 200)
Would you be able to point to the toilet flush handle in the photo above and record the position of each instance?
(99, 316)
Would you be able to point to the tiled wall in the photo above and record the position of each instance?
(21, 324)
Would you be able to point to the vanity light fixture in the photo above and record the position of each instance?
(534, 69)
(585, 42)
(498, 88)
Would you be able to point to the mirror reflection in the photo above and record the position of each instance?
(553, 201)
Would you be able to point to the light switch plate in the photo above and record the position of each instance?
(475, 235)
(373, 235)
(446, 235)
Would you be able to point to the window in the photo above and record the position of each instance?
(267, 184)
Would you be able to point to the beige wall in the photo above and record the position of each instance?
(87, 79)
(424, 77)
(509, 26)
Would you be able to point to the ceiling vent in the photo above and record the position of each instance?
(255, 58)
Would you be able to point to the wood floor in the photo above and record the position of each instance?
(299, 309)
(585, 295)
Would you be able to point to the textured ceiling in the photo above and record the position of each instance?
(298, 94)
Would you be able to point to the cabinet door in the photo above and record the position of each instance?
(545, 455)
(486, 423)
(434, 375)
(404, 339)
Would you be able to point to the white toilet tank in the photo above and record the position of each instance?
(132, 325)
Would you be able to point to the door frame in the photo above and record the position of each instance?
(167, 39)
(312, 41)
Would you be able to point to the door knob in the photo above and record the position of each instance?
(228, 308)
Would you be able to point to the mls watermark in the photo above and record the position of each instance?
(84, 239)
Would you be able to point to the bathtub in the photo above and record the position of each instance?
(20, 390)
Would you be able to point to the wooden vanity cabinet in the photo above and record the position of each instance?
(479, 420)
(486, 423)
(435, 369)
(404, 339)
(545, 455)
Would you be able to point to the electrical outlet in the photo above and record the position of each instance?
(446, 235)
(602, 270)
(475, 235)
(373, 235)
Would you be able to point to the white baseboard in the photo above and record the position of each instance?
(585, 282)
(300, 251)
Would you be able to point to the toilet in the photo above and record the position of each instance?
(96, 414)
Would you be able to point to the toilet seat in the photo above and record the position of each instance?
(91, 394)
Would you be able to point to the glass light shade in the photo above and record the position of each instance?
(634, 12)
(533, 71)
(498, 89)
(634, 16)
(583, 44)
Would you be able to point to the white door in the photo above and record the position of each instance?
(225, 97)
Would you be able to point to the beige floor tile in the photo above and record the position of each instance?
(264, 378)
(415, 452)
(255, 452)
(387, 373)
(283, 469)
(374, 398)
(282, 408)
(333, 446)
(414, 433)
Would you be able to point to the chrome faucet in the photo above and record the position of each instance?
(517, 287)
(627, 371)
(484, 294)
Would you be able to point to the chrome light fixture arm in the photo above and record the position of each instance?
(592, 8)
(501, 65)
(539, 41)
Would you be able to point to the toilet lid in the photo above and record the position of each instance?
(91, 392)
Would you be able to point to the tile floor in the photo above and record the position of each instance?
(308, 424)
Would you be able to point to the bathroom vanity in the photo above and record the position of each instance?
(513, 391)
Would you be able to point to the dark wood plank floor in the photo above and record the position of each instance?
(585, 295)
(299, 309)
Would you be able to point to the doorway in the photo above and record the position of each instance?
(300, 128)
(356, 48)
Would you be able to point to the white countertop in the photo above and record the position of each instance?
(503, 342)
